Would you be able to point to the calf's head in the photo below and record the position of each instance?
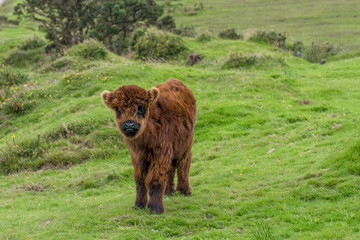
(131, 106)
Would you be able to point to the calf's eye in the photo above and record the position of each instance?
(118, 112)
(141, 111)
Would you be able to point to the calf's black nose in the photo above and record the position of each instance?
(130, 127)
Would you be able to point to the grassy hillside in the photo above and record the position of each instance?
(276, 152)
(334, 21)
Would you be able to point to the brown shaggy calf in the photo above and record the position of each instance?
(158, 127)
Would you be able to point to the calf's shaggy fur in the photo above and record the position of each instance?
(158, 127)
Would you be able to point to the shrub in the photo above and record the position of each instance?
(20, 101)
(155, 44)
(89, 49)
(298, 46)
(42, 152)
(272, 38)
(186, 31)
(166, 23)
(110, 21)
(32, 43)
(239, 59)
(9, 77)
(22, 58)
(316, 52)
(204, 37)
(15, 157)
(230, 34)
(136, 35)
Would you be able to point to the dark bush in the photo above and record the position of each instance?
(158, 45)
(316, 52)
(230, 34)
(204, 37)
(239, 59)
(109, 21)
(9, 77)
(166, 23)
(89, 49)
(272, 38)
(32, 43)
(186, 31)
(136, 35)
(22, 58)
(298, 46)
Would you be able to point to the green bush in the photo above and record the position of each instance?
(316, 52)
(230, 34)
(89, 49)
(298, 46)
(136, 35)
(18, 156)
(20, 101)
(22, 58)
(272, 38)
(186, 31)
(241, 60)
(42, 152)
(32, 43)
(158, 45)
(166, 23)
(9, 77)
(203, 38)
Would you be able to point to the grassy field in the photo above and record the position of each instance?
(276, 151)
(308, 21)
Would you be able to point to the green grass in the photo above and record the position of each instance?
(334, 21)
(264, 165)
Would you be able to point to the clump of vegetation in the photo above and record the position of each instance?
(298, 46)
(185, 31)
(166, 23)
(158, 45)
(204, 37)
(17, 93)
(20, 58)
(111, 22)
(21, 100)
(272, 38)
(316, 52)
(89, 49)
(9, 77)
(241, 60)
(32, 43)
(350, 160)
(5, 21)
(15, 157)
(230, 34)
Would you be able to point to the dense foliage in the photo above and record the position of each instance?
(68, 22)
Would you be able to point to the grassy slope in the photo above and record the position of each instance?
(299, 191)
(334, 21)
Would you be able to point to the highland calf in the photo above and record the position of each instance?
(158, 127)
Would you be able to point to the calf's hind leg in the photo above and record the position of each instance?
(183, 170)
(170, 180)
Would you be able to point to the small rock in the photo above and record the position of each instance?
(305, 102)
(322, 61)
(271, 150)
(193, 58)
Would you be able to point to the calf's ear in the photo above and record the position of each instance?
(153, 95)
(107, 98)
